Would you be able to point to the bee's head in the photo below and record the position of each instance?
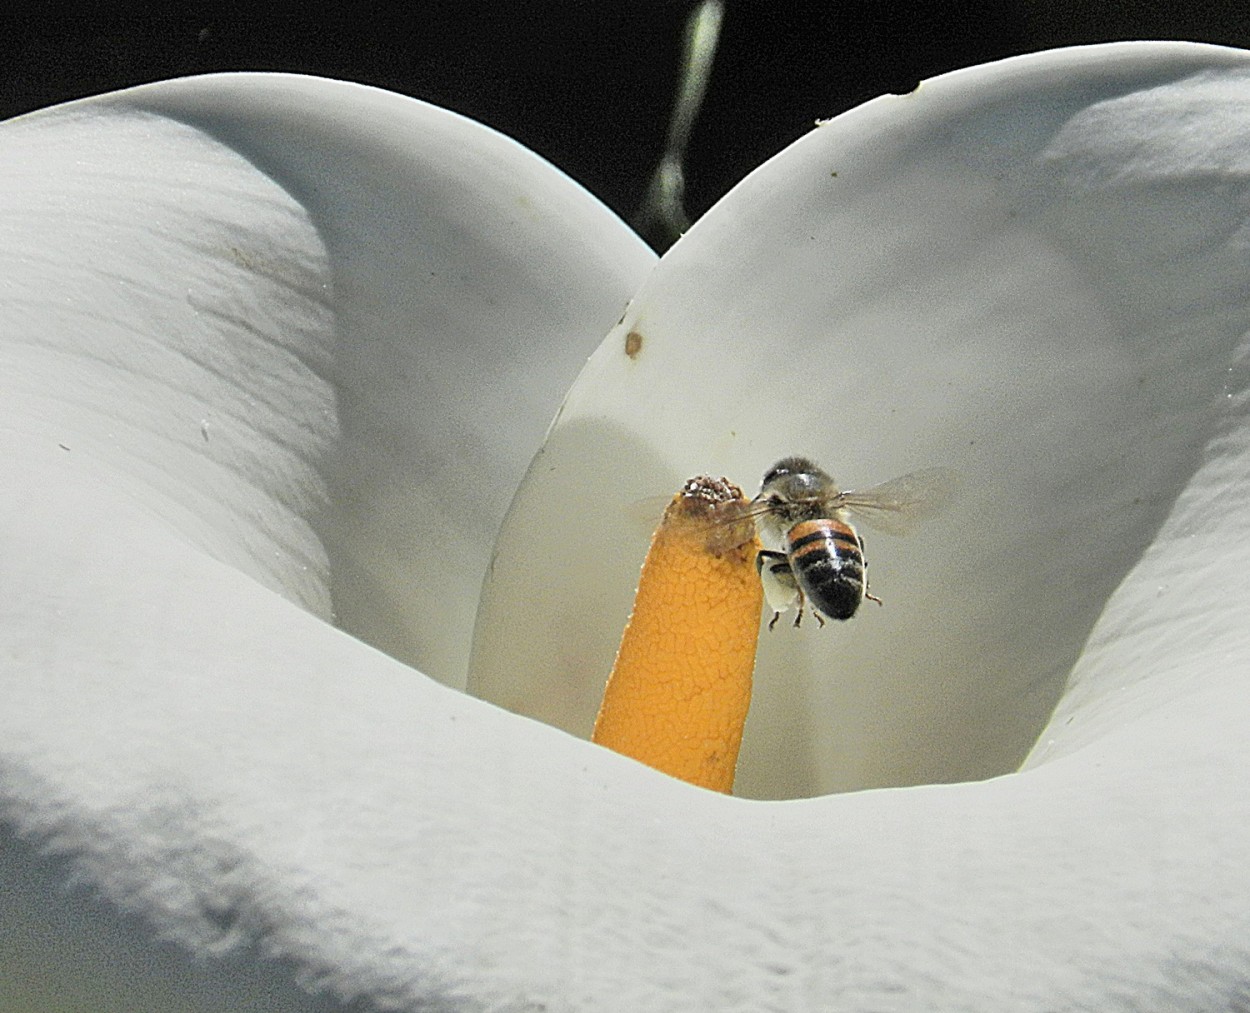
(794, 480)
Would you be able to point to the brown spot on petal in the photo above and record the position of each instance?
(633, 344)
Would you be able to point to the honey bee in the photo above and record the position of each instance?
(822, 564)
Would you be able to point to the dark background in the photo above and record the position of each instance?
(586, 84)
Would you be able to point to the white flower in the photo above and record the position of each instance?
(276, 351)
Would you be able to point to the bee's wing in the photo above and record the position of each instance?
(895, 506)
(731, 525)
(644, 514)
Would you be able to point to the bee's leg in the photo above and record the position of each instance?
(803, 604)
(819, 618)
(781, 590)
(776, 564)
(867, 594)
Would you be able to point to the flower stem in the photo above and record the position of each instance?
(662, 217)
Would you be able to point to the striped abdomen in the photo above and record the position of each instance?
(827, 557)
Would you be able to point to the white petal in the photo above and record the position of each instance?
(387, 836)
(381, 295)
(267, 342)
(1034, 274)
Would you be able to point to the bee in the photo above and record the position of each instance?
(800, 507)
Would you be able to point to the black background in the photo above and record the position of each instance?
(588, 85)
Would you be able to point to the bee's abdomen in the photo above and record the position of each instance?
(826, 558)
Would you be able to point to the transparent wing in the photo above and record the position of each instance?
(895, 506)
(733, 524)
(644, 514)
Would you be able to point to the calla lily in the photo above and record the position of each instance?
(277, 352)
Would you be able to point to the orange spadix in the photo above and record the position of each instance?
(679, 691)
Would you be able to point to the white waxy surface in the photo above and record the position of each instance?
(1033, 272)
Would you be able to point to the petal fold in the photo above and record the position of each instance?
(274, 354)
